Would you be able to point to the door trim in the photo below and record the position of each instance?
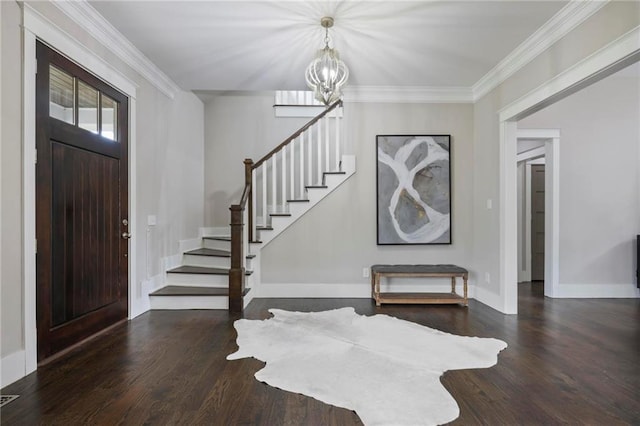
(550, 152)
(35, 26)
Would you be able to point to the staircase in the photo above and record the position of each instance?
(279, 189)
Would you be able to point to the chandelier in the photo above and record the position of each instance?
(326, 74)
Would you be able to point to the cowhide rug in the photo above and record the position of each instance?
(385, 369)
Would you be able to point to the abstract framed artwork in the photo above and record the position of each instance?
(413, 181)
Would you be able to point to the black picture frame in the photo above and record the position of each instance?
(413, 189)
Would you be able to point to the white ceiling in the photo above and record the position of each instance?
(266, 45)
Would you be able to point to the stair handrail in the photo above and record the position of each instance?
(250, 165)
(237, 272)
(291, 138)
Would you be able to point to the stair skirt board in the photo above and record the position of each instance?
(298, 207)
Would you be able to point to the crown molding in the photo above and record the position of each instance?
(84, 15)
(408, 94)
(569, 17)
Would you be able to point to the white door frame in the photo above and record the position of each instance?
(551, 138)
(38, 27)
(616, 55)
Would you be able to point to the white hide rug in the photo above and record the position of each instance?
(385, 369)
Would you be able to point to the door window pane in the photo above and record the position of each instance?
(61, 95)
(87, 107)
(109, 118)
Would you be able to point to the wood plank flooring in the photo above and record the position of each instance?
(568, 361)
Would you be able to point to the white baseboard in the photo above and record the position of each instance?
(342, 290)
(12, 368)
(598, 291)
(143, 304)
(488, 298)
(249, 297)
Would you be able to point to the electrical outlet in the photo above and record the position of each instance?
(487, 277)
(365, 272)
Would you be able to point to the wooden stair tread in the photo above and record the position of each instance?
(334, 173)
(297, 201)
(280, 214)
(316, 187)
(188, 269)
(264, 228)
(209, 252)
(178, 290)
(218, 238)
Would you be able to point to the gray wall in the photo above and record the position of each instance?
(336, 239)
(11, 181)
(170, 174)
(599, 186)
(610, 22)
(238, 127)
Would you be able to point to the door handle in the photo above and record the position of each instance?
(126, 235)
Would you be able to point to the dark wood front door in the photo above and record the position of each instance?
(81, 203)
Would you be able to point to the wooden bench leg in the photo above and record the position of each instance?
(376, 279)
(453, 285)
(464, 285)
(373, 286)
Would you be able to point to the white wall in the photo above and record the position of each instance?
(169, 147)
(599, 186)
(609, 23)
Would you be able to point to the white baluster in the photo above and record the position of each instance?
(245, 236)
(310, 162)
(338, 153)
(274, 174)
(319, 143)
(283, 180)
(263, 168)
(292, 172)
(326, 144)
(254, 197)
(302, 166)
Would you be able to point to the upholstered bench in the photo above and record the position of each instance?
(420, 271)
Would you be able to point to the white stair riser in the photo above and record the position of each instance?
(204, 280)
(206, 261)
(189, 302)
(210, 261)
(333, 180)
(217, 244)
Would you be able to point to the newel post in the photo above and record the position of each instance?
(237, 272)
(248, 180)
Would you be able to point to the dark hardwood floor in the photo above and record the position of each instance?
(573, 361)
